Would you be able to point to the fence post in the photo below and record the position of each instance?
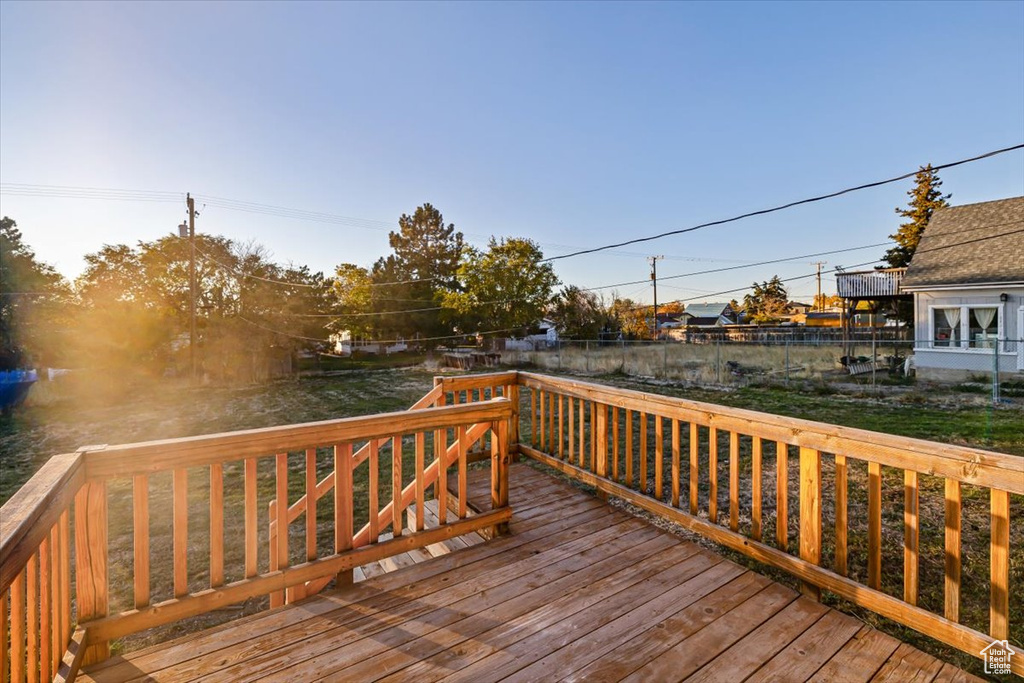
(787, 361)
(874, 359)
(995, 372)
(718, 361)
(664, 362)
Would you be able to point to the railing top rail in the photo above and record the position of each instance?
(28, 515)
(476, 381)
(154, 456)
(969, 465)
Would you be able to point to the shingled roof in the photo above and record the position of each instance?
(971, 244)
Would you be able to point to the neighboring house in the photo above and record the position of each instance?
(668, 321)
(709, 315)
(345, 345)
(797, 308)
(967, 279)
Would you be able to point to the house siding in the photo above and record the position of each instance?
(958, 363)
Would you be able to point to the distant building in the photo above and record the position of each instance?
(709, 315)
(967, 280)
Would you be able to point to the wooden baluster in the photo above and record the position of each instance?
(32, 625)
(91, 588)
(344, 511)
(659, 457)
(694, 466)
(65, 576)
(551, 424)
(601, 440)
(675, 463)
(810, 513)
(310, 504)
(421, 493)
(513, 395)
(396, 486)
(463, 472)
(999, 610)
(533, 418)
(734, 481)
(542, 420)
(572, 428)
(713, 474)
(755, 487)
(593, 437)
(910, 537)
(561, 430)
(140, 518)
(18, 628)
(5, 649)
(782, 495)
(179, 514)
(44, 610)
(874, 525)
(251, 532)
(374, 484)
(629, 448)
(216, 525)
(952, 573)
(841, 516)
(56, 641)
(583, 432)
(643, 452)
(615, 443)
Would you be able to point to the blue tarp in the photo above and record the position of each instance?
(14, 386)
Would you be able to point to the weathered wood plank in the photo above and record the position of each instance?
(216, 525)
(874, 525)
(756, 456)
(675, 462)
(858, 660)
(782, 495)
(734, 481)
(179, 514)
(841, 522)
(251, 530)
(810, 513)
(694, 467)
(91, 587)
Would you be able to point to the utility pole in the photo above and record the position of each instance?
(192, 282)
(820, 302)
(654, 278)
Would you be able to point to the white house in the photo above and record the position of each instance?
(967, 279)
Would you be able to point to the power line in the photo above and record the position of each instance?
(781, 207)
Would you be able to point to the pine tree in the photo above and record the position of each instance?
(925, 198)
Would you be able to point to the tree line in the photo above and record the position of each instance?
(129, 310)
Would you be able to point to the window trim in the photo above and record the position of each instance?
(963, 344)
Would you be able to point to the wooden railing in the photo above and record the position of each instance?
(102, 494)
(663, 454)
(869, 283)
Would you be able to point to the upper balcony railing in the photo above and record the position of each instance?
(867, 284)
(724, 473)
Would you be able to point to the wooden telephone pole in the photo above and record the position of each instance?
(820, 303)
(654, 278)
(192, 282)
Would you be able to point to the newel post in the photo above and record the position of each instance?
(810, 514)
(500, 458)
(91, 596)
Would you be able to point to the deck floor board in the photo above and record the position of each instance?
(578, 590)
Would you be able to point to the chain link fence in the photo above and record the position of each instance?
(994, 368)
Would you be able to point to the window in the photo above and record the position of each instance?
(983, 326)
(946, 323)
(978, 326)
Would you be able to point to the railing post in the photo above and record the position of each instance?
(810, 514)
(91, 562)
(500, 459)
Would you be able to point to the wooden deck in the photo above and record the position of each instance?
(577, 591)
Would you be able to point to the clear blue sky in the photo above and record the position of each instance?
(573, 124)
